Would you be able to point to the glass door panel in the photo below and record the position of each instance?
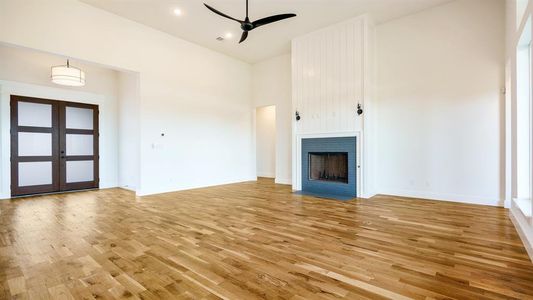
(35, 173)
(80, 171)
(34, 114)
(35, 144)
(79, 144)
(79, 118)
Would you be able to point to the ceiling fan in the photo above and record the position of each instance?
(246, 25)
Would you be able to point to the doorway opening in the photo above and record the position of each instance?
(266, 141)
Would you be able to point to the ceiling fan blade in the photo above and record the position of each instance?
(244, 36)
(272, 19)
(221, 14)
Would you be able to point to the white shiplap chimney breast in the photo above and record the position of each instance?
(333, 72)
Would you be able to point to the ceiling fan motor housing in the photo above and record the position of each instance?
(247, 26)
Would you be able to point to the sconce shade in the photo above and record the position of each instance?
(68, 75)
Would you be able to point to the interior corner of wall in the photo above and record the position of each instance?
(507, 203)
(4, 195)
(368, 195)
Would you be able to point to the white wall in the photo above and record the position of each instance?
(271, 85)
(27, 73)
(266, 141)
(199, 99)
(129, 130)
(440, 107)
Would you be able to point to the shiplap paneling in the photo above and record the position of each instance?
(328, 78)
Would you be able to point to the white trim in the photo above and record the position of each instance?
(151, 192)
(426, 195)
(127, 188)
(507, 203)
(266, 175)
(524, 205)
(297, 186)
(285, 181)
(524, 228)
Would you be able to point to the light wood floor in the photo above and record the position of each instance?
(256, 241)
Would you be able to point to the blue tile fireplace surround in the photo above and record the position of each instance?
(329, 167)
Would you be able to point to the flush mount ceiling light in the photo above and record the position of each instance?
(68, 75)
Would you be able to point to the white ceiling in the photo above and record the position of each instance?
(199, 25)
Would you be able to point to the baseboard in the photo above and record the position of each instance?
(443, 197)
(128, 188)
(524, 229)
(286, 181)
(266, 175)
(368, 195)
(507, 203)
(193, 187)
(108, 184)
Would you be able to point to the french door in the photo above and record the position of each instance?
(54, 146)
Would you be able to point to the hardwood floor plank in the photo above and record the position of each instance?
(256, 240)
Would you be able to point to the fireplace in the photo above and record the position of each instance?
(329, 166)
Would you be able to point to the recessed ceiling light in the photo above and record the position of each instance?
(228, 35)
(178, 12)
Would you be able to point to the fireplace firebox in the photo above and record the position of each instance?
(328, 166)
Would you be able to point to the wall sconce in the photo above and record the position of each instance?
(297, 116)
(359, 109)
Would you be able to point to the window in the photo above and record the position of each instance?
(521, 6)
(523, 122)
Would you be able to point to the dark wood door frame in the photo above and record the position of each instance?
(16, 159)
(58, 158)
